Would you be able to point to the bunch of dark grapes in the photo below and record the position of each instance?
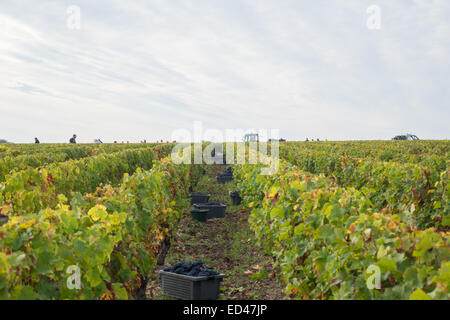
(192, 269)
(228, 170)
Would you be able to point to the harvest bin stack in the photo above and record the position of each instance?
(205, 210)
(200, 214)
(215, 209)
(225, 176)
(199, 197)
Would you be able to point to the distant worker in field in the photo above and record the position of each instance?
(307, 139)
(36, 140)
(73, 139)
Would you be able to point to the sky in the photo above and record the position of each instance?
(144, 69)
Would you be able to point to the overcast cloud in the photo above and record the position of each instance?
(140, 69)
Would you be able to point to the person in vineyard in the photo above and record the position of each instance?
(36, 140)
(73, 139)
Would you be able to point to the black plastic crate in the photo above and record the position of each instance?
(190, 288)
(216, 209)
(235, 198)
(199, 197)
(200, 215)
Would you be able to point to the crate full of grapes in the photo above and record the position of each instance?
(191, 281)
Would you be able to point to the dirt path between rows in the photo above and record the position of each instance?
(226, 245)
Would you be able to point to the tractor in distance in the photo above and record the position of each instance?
(408, 136)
